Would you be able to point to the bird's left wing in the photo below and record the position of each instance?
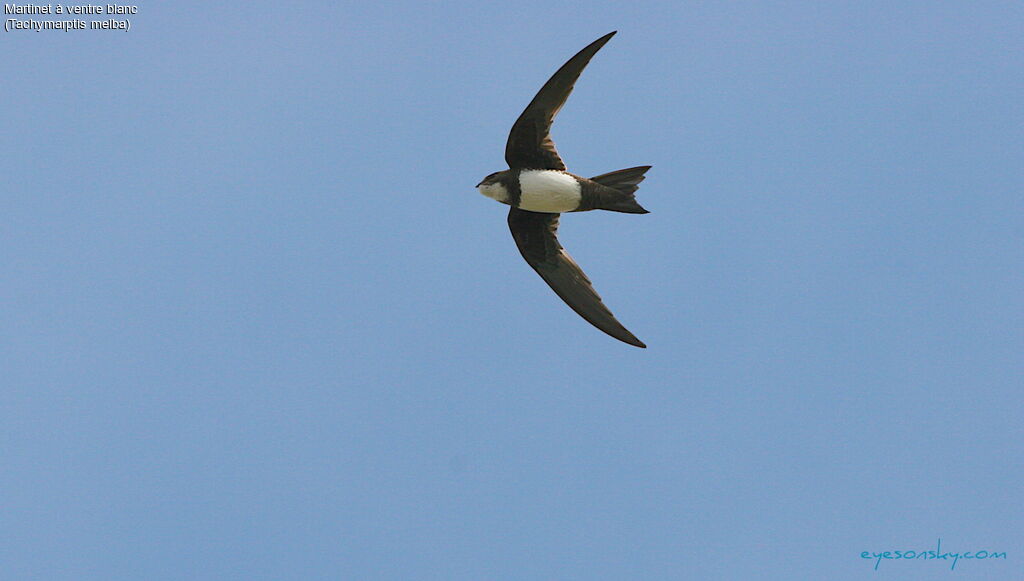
(529, 143)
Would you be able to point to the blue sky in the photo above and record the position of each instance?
(256, 322)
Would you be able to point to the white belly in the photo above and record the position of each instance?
(548, 191)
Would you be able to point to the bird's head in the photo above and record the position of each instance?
(491, 179)
(492, 186)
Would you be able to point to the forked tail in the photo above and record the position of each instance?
(625, 182)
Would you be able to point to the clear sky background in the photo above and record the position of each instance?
(256, 322)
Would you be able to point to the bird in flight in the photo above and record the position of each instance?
(539, 189)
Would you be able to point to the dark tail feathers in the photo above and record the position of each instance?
(625, 181)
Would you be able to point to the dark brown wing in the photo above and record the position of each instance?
(534, 233)
(529, 143)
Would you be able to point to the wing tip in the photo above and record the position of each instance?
(634, 342)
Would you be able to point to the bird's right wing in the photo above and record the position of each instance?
(534, 233)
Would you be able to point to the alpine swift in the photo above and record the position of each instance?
(539, 189)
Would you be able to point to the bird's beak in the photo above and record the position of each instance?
(478, 185)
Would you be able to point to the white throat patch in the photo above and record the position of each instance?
(494, 191)
(548, 191)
